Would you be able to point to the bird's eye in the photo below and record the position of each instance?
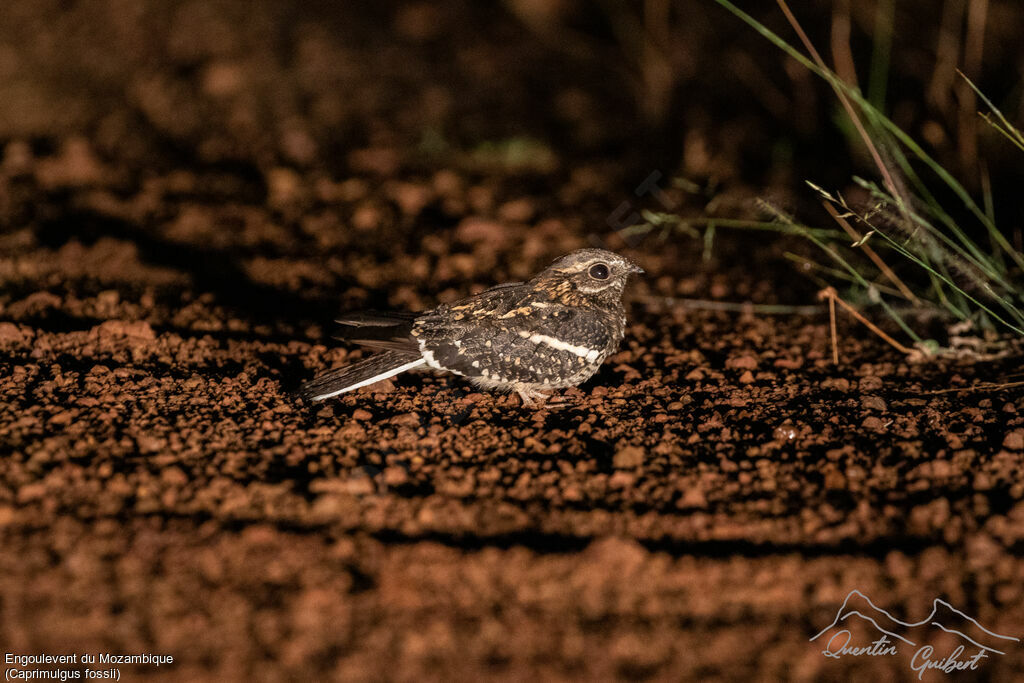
(599, 271)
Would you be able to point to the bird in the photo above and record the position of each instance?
(550, 332)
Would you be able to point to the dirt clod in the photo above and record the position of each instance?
(1014, 440)
(627, 457)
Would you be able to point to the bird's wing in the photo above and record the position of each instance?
(526, 341)
(489, 303)
(392, 330)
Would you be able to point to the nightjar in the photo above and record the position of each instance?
(551, 332)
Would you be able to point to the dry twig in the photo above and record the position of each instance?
(833, 297)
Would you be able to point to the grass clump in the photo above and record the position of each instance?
(944, 264)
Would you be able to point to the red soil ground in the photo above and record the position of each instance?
(700, 509)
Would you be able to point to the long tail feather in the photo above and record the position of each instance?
(373, 369)
(381, 330)
(377, 318)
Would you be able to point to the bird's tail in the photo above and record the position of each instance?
(389, 330)
(373, 369)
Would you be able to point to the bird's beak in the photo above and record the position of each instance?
(634, 268)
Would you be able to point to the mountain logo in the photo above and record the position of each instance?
(961, 641)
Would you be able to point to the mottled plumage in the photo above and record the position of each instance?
(549, 333)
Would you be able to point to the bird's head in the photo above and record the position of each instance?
(591, 272)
